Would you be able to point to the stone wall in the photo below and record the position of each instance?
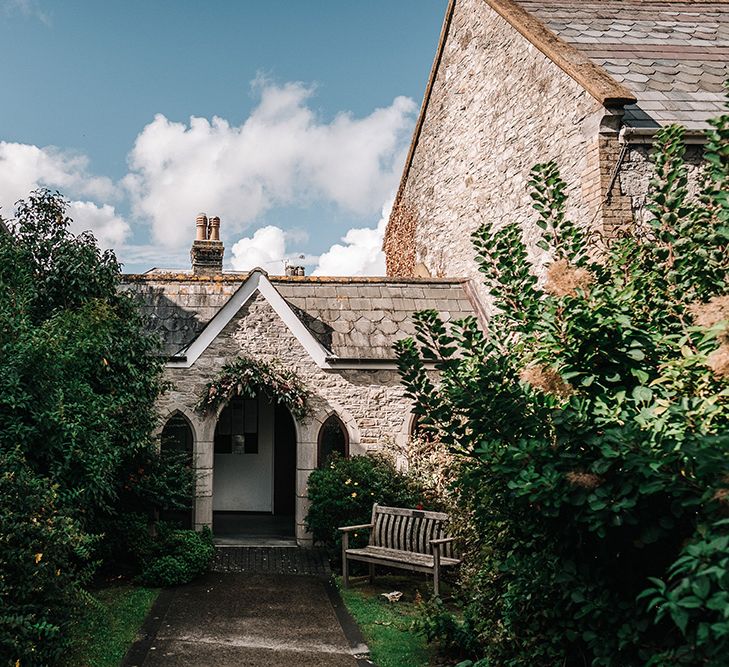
(498, 106)
(371, 403)
(636, 172)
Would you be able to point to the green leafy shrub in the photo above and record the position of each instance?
(342, 494)
(591, 418)
(42, 556)
(177, 557)
(78, 384)
(455, 636)
(696, 597)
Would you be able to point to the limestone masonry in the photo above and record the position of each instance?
(353, 322)
(516, 83)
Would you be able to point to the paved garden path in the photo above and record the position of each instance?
(254, 617)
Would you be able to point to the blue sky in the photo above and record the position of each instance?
(303, 108)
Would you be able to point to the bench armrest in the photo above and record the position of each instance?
(349, 529)
(443, 540)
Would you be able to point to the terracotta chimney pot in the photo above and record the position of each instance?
(207, 250)
(214, 229)
(201, 224)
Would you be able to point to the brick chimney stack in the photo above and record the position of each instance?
(207, 249)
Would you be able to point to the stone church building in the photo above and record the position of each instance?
(253, 457)
(514, 83)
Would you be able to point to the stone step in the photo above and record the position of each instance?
(271, 560)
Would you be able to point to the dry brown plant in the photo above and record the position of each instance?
(721, 496)
(563, 279)
(712, 312)
(399, 243)
(585, 480)
(718, 361)
(546, 379)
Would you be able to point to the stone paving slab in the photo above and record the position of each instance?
(228, 619)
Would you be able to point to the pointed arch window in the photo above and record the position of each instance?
(177, 439)
(420, 431)
(176, 435)
(333, 437)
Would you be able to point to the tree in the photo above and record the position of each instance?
(592, 421)
(78, 385)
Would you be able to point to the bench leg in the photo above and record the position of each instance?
(436, 570)
(345, 564)
(372, 573)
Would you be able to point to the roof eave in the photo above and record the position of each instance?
(593, 78)
(363, 363)
(647, 135)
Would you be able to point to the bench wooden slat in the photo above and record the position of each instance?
(390, 556)
(412, 537)
(432, 534)
(404, 511)
(382, 520)
(402, 533)
(422, 537)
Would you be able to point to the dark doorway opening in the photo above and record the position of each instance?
(261, 528)
(284, 464)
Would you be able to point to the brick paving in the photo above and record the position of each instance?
(271, 560)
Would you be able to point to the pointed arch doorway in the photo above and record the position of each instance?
(254, 473)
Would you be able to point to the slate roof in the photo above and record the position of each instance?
(353, 318)
(356, 320)
(672, 54)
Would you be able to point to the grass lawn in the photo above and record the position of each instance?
(387, 626)
(108, 627)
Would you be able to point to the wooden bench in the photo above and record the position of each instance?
(403, 538)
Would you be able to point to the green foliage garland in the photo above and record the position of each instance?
(592, 422)
(250, 378)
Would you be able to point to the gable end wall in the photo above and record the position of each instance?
(498, 106)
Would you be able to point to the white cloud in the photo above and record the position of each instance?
(24, 167)
(27, 8)
(361, 254)
(282, 154)
(110, 229)
(265, 249)
(269, 249)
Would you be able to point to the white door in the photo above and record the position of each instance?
(243, 459)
